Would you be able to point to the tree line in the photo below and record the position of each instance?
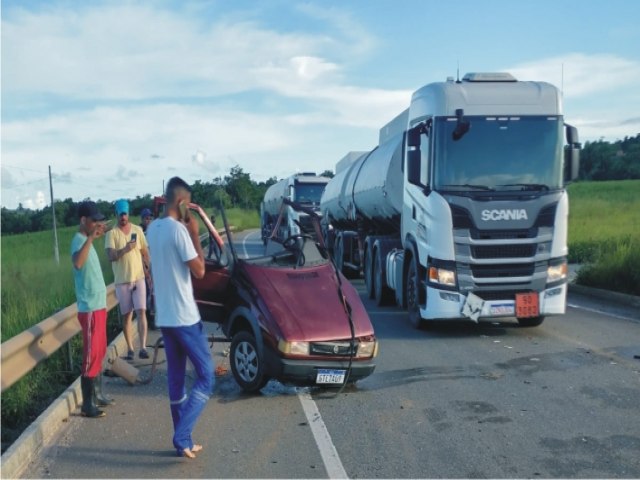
(599, 160)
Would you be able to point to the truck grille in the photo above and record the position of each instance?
(503, 271)
(503, 251)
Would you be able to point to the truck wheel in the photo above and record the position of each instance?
(413, 294)
(246, 363)
(530, 322)
(368, 273)
(383, 294)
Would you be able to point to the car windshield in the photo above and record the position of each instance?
(309, 192)
(498, 153)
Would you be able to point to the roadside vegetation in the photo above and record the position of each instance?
(604, 234)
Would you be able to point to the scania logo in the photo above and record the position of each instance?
(513, 214)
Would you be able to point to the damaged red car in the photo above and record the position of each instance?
(288, 313)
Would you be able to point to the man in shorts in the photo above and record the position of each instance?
(126, 247)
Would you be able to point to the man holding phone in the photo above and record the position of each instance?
(126, 247)
(176, 254)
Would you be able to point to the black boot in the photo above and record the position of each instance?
(89, 408)
(99, 398)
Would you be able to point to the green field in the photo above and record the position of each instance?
(604, 234)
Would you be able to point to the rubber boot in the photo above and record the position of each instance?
(100, 399)
(89, 408)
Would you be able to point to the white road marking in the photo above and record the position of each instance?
(328, 451)
(595, 310)
(244, 242)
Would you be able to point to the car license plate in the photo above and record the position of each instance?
(527, 305)
(330, 376)
(502, 309)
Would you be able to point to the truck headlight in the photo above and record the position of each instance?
(442, 276)
(557, 272)
(293, 348)
(367, 349)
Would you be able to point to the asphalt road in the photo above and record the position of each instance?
(454, 401)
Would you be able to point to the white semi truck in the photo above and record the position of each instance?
(303, 188)
(461, 211)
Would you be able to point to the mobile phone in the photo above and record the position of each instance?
(134, 237)
(182, 206)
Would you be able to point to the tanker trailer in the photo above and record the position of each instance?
(303, 188)
(461, 211)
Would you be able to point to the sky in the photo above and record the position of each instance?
(119, 96)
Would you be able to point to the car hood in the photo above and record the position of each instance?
(305, 303)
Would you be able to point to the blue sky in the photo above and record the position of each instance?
(118, 96)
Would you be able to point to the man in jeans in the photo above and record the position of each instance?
(126, 247)
(91, 295)
(176, 254)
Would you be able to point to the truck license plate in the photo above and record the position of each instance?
(502, 309)
(527, 305)
(330, 376)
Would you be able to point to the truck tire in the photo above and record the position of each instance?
(367, 268)
(530, 322)
(383, 294)
(412, 293)
(247, 365)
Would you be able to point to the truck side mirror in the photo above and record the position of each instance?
(572, 135)
(413, 136)
(571, 163)
(413, 166)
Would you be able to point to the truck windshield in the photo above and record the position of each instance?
(499, 153)
(309, 193)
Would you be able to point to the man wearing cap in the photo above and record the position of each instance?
(146, 216)
(91, 295)
(126, 247)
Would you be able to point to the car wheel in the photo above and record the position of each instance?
(368, 274)
(413, 293)
(530, 322)
(247, 364)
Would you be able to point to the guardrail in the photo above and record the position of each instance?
(20, 354)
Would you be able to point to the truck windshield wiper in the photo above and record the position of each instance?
(468, 185)
(528, 186)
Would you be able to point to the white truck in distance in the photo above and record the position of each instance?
(303, 188)
(461, 211)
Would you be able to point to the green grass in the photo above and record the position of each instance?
(604, 234)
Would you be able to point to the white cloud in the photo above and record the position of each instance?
(580, 75)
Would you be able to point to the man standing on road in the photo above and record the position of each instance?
(126, 247)
(176, 254)
(91, 295)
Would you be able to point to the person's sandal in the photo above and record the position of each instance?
(144, 354)
(130, 355)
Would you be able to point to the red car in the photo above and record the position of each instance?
(290, 315)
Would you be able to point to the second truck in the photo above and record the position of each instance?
(461, 210)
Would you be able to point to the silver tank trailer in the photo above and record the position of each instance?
(367, 192)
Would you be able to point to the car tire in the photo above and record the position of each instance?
(247, 365)
(412, 293)
(530, 322)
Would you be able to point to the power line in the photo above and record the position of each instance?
(22, 168)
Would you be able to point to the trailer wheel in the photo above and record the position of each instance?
(412, 293)
(530, 322)
(368, 273)
(383, 294)
(246, 363)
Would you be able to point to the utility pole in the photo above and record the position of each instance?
(53, 213)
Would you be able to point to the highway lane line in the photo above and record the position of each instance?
(244, 242)
(328, 452)
(602, 312)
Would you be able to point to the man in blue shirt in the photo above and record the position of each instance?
(91, 295)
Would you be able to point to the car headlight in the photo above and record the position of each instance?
(442, 276)
(293, 348)
(557, 272)
(367, 349)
